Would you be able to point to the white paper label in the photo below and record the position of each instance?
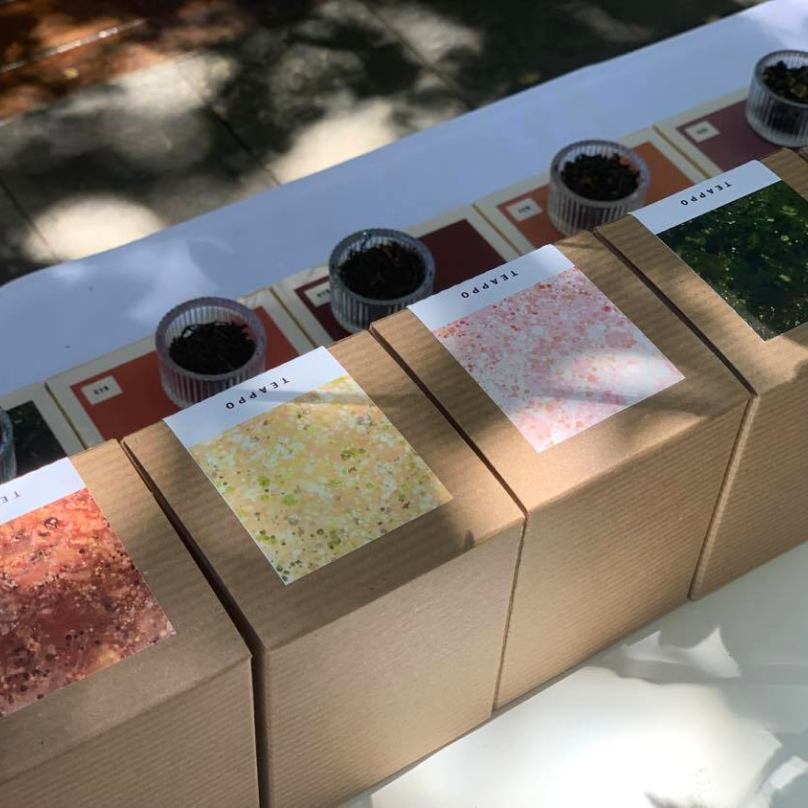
(38, 488)
(701, 131)
(258, 395)
(101, 390)
(319, 295)
(706, 196)
(490, 287)
(524, 209)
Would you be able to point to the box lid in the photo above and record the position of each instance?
(275, 613)
(763, 363)
(204, 643)
(540, 466)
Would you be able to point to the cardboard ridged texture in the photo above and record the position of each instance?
(763, 507)
(172, 724)
(390, 651)
(617, 513)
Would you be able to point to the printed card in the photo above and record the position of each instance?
(311, 467)
(121, 392)
(547, 346)
(745, 233)
(71, 600)
(462, 243)
(520, 211)
(716, 135)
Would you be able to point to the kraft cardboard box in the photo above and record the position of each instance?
(730, 256)
(42, 434)
(462, 243)
(122, 680)
(369, 554)
(608, 420)
(121, 392)
(716, 135)
(519, 212)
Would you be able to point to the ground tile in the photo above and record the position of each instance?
(308, 94)
(490, 50)
(22, 248)
(139, 154)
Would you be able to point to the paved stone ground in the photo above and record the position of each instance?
(121, 117)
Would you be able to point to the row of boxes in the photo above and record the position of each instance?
(413, 527)
(699, 143)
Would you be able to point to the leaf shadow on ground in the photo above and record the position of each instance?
(279, 70)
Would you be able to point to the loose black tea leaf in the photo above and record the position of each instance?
(600, 178)
(383, 272)
(790, 83)
(212, 348)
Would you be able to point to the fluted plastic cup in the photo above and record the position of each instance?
(774, 118)
(355, 312)
(184, 387)
(569, 212)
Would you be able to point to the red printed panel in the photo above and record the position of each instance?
(142, 401)
(527, 212)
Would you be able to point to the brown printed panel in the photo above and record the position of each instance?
(716, 136)
(461, 241)
(460, 251)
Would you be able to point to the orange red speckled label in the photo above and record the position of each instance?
(71, 600)
(547, 346)
(307, 461)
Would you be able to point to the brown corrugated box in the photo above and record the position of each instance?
(173, 724)
(617, 513)
(387, 653)
(763, 507)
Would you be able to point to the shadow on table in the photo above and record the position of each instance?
(741, 644)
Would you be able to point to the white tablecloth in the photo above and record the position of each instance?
(58, 318)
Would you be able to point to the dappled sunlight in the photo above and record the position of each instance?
(594, 739)
(606, 25)
(86, 224)
(435, 34)
(347, 129)
(654, 660)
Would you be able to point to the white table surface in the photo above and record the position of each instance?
(57, 318)
(706, 708)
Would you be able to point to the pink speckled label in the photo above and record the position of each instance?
(557, 357)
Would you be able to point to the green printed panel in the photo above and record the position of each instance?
(754, 253)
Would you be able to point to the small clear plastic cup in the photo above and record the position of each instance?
(355, 312)
(774, 118)
(184, 387)
(569, 212)
(8, 459)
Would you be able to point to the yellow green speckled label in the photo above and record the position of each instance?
(318, 476)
